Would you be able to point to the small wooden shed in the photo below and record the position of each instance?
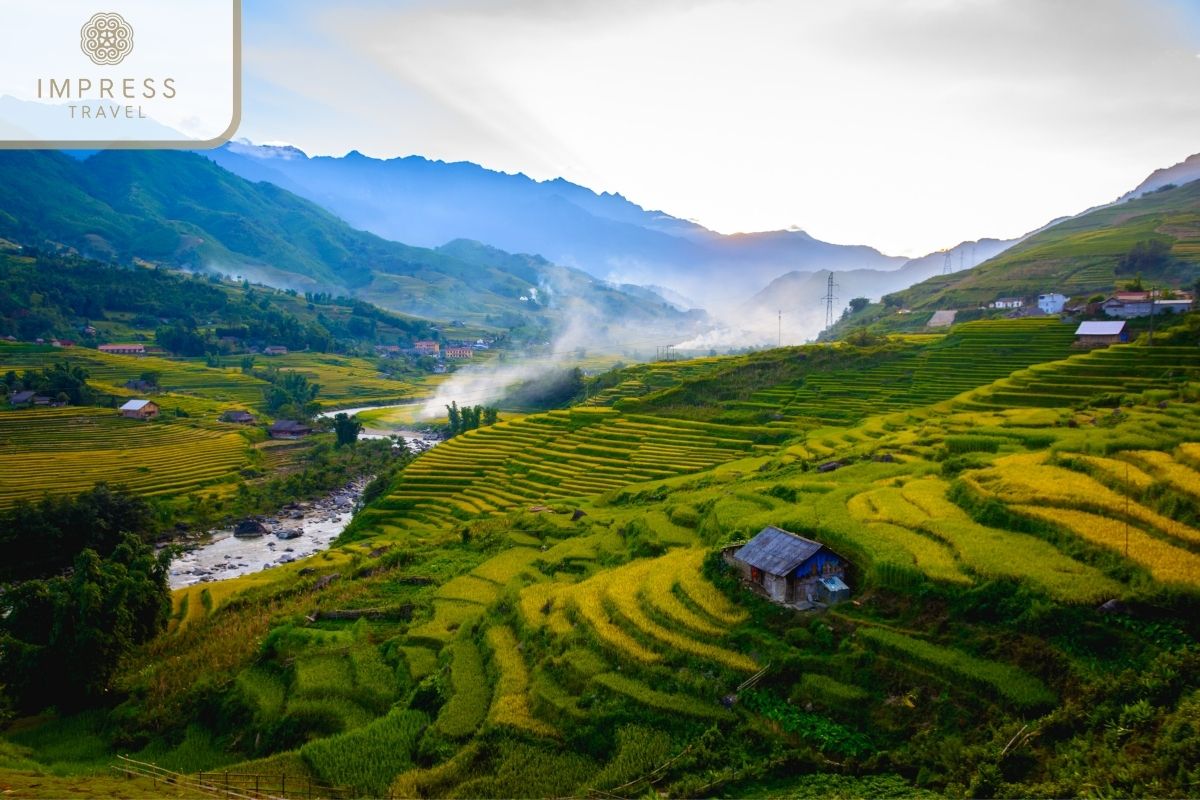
(791, 569)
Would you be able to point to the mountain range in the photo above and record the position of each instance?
(429, 203)
(184, 211)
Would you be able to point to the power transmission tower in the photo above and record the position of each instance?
(973, 261)
(829, 298)
(780, 343)
(948, 264)
(960, 259)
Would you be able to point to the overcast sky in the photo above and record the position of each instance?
(908, 125)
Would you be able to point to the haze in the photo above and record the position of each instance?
(908, 126)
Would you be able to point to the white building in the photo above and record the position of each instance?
(1052, 303)
(1008, 302)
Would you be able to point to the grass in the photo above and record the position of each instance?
(467, 707)
(1002, 680)
(368, 759)
(661, 701)
(510, 705)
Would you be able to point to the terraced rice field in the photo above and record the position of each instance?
(1111, 518)
(68, 450)
(190, 385)
(349, 380)
(976, 353)
(547, 457)
(921, 508)
(1126, 369)
(655, 375)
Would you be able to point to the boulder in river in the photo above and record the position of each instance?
(249, 527)
(288, 533)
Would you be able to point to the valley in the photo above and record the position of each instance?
(364, 478)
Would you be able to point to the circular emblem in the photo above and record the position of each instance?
(106, 38)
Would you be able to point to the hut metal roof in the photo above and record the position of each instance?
(777, 551)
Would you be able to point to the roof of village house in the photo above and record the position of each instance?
(289, 425)
(22, 397)
(136, 405)
(1099, 328)
(777, 551)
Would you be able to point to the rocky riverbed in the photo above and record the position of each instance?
(298, 530)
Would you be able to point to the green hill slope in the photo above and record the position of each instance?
(1079, 256)
(183, 211)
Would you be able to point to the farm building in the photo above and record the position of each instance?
(139, 409)
(460, 352)
(1052, 303)
(1172, 306)
(289, 429)
(1100, 334)
(21, 398)
(791, 569)
(427, 347)
(275, 350)
(1008, 302)
(123, 349)
(238, 416)
(1128, 305)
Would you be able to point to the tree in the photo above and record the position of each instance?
(180, 339)
(347, 429)
(455, 418)
(62, 638)
(858, 304)
(43, 538)
(1147, 255)
(291, 393)
(490, 416)
(151, 376)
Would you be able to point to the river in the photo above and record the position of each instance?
(294, 532)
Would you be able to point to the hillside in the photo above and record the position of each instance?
(1185, 171)
(183, 211)
(541, 610)
(1078, 256)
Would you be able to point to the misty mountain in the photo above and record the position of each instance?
(429, 203)
(1185, 171)
(800, 295)
(183, 211)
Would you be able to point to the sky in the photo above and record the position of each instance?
(908, 125)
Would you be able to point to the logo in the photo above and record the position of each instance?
(106, 39)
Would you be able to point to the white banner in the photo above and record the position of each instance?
(120, 73)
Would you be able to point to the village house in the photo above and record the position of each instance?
(123, 349)
(427, 347)
(790, 569)
(1129, 305)
(1052, 303)
(1174, 306)
(1007, 302)
(460, 352)
(1100, 334)
(139, 385)
(239, 416)
(275, 350)
(139, 409)
(289, 429)
(387, 350)
(24, 398)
